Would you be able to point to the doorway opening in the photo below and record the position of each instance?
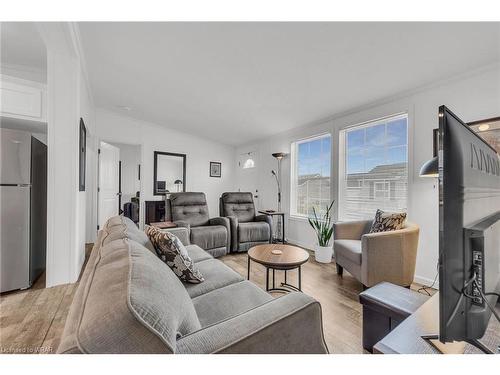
(119, 181)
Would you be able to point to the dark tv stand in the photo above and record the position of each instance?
(412, 335)
(456, 347)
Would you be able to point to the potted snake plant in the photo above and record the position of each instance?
(324, 231)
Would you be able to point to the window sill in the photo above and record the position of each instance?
(298, 218)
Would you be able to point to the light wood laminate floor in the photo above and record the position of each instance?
(33, 320)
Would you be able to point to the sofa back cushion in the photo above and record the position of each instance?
(238, 204)
(119, 227)
(189, 207)
(133, 303)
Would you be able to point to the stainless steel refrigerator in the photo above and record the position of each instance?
(23, 209)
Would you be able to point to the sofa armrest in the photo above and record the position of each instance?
(233, 225)
(351, 230)
(182, 233)
(269, 220)
(289, 324)
(182, 223)
(389, 256)
(224, 221)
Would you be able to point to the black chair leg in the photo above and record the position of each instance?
(340, 270)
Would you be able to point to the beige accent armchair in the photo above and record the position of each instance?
(375, 257)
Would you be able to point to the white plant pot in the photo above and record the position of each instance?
(323, 254)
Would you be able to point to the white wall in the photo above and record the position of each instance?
(84, 212)
(68, 99)
(472, 97)
(113, 127)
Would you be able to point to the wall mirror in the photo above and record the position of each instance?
(169, 173)
(489, 130)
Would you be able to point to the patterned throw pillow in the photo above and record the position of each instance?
(173, 253)
(386, 221)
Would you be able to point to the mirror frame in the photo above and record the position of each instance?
(183, 156)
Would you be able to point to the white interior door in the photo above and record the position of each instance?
(248, 177)
(108, 191)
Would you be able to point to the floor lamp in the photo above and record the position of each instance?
(279, 156)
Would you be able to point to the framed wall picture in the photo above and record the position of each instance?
(82, 154)
(215, 169)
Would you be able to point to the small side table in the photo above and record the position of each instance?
(276, 213)
(164, 224)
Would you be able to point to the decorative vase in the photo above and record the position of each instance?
(323, 254)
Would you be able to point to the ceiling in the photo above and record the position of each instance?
(238, 82)
(22, 50)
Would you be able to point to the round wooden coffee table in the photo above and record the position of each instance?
(278, 257)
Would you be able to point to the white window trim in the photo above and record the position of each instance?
(342, 182)
(293, 150)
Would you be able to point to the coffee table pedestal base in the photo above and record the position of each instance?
(284, 287)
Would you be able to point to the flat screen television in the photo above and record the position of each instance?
(469, 231)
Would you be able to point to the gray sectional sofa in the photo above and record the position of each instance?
(129, 301)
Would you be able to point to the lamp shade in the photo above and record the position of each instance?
(177, 182)
(430, 168)
(279, 155)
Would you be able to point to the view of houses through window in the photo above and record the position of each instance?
(374, 168)
(311, 162)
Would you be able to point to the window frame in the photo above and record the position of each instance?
(342, 138)
(293, 170)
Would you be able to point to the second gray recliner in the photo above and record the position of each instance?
(247, 228)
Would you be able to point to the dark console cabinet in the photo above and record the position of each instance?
(155, 212)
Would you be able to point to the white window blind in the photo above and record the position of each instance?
(310, 175)
(373, 168)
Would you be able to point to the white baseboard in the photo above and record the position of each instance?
(426, 281)
(301, 244)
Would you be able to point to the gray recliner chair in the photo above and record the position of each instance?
(190, 210)
(247, 228)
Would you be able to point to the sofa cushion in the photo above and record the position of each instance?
(197, 254)
(189, 207)
(173, 253)
(387, 221)
(209, 237)
(239, 205)
(216, 274)
(254, 231)
(229, 301)
(349, 249)
(150, 307)
(217, 252)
